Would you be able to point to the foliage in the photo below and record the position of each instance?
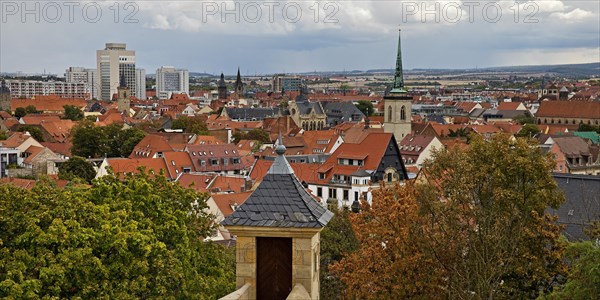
(528, 130)
(366, 107)
(3, 135)
(461, 132)
(77, 167)
(191, 124)
(587, 127)
(88, 140)
(20, 112)
(135, 239)
(337, 241)
(283, 104)
(34, 131)
(389, 262)
(121, 141)
(490, 231)
(91, 118)
(112, 140)
(30, 109)
(523, 119)
(73, 113)
(257, 134)
(583, 281)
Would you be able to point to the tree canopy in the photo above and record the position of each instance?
(474, 228)
(77, 167)
(34, 131)
(73, 112)
(257, 134)
(20, 112)
(140, 238)
(94, 141)
(191, 124)
(366, 107)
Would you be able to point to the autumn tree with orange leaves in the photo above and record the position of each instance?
(474, 227)
(389, 263)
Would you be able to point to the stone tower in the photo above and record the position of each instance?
(4, 96)
(239, 86)
(222, 88)
(278, 238)
(398, 104)
(123, 101)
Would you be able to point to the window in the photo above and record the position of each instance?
(346, 192)
(321, 175)
(235, 160)
(202, 162)
(214, 162)
(403, 113)
(333, 193)
(319, 192)
(389, 177)
(225, 161)
(389, 113)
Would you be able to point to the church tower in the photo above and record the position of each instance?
(239, 86)
(222, 88)
(123, 101)
(4, 96)
(398, 104)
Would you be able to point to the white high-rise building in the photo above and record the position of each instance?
(140, 84)
(88, 77)
(170, 80)
(113, 62)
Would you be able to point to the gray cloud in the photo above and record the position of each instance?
(364, 37)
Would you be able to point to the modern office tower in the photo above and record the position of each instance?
(112, 62)
(88, 77)
(140, 84)
(170, 80)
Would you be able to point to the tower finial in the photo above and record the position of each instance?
(280, 149)
(398, 86)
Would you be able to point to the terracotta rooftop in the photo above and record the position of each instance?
(569, 109)
(226, 201)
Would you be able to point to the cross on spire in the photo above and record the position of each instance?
(398, 86)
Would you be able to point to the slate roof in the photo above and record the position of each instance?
(304, 107)
(581, 206)
(280, 201)
(235, 113)
(339, 112)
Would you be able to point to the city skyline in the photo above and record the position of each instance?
(357, 36)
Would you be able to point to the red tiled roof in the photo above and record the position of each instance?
(177, 162)
(225, 201)
(196, 181)
(508, 105)
(33, 151)
(35, 119)
(569, 109)
(149, 145)
(47, 103)
(219, 152)
(59, 129)
(228, 184)
(60, 148)
(18, 182)
(130, 165)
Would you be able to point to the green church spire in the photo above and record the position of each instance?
(398, 76)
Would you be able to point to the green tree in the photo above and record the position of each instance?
(34, 131)
(525, 118)
(583, 281)
(366, 107)
(587, 127)
(141, 238)
(73, 112)
(257, 134)
(88, 140)
(191, 124)
(20, 112)
(337, 241)
(30, 109)
(528, 130)
(121, 141)
(3, 135)
(490, 231)
(77, 167)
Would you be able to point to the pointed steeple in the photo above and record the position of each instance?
(222, 81)
(398, 86)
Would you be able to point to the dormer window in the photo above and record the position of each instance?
(321, 176)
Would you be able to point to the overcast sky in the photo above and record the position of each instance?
(270, 37)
